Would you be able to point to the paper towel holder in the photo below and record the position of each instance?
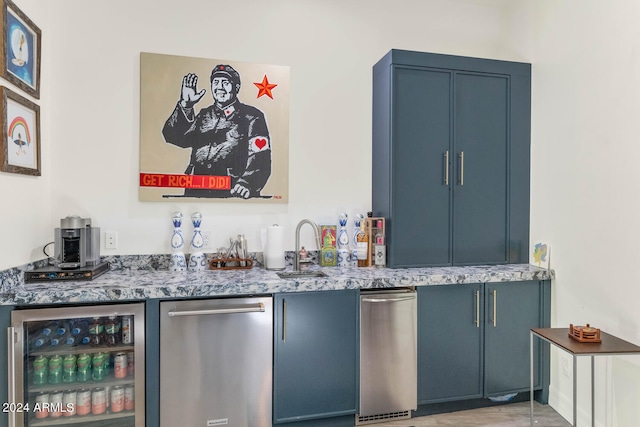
(281, 264)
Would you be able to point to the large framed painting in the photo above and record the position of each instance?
(21, 40)
(213, 130)
(20, 121)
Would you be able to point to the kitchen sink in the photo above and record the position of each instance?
(300, 274)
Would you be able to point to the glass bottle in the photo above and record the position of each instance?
(196, 258)
(362, 246)
(379, 250)
(177, 262)
(357, 220)
(343, 242)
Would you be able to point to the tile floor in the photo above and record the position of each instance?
(512, 415)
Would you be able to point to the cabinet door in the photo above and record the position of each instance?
(449, 342)
(315, 361)
(512, 310)
(480, 203)
(420, 227)
(477, 111)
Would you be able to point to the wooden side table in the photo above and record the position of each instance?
(610, 346)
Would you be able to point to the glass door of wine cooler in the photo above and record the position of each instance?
(77, 366)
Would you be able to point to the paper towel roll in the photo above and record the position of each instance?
(274, 249)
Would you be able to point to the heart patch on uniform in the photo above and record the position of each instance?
(260, 143)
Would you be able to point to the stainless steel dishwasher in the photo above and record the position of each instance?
(216, 362)
(388, 355)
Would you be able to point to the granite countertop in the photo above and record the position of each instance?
(125, 284)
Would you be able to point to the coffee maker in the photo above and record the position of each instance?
(76, 243)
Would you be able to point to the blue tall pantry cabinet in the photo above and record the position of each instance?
(451, 141)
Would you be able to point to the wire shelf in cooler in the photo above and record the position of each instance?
(76, 385)
(82, 349)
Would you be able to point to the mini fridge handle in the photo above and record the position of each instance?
(246, 309)
(11, 376)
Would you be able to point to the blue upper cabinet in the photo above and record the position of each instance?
(451, 153)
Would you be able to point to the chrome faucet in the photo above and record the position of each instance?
(296, 255)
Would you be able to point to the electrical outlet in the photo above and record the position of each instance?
(565, 366)
(111, 240)
(207, 236)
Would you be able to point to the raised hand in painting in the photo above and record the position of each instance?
(189, 95)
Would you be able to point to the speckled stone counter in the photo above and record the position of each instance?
(126, 282)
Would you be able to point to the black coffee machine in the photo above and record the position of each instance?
(76, 243)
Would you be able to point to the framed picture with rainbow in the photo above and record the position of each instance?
(20, 122)
(20, 55)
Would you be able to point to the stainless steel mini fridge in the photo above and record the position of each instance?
(77, 366)
(216, 362)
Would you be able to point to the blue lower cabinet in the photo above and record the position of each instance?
(474, 342)
(450, 342)
(512, 310)
(315, 355)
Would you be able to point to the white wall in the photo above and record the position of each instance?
(586, 185)
(330, 46)
(25, 201)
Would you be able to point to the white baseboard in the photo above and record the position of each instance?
(563, 405)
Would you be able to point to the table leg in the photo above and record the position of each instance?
(575, 391)
(531, 378)
(593, 394)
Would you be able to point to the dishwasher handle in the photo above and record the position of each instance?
(245, 309)
(388, 299)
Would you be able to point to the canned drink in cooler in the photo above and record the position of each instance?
(129, 397)
(98, 401)
(55, 369)
(131, 363)
(107, 363)
(107, 393)
(41, 408)
(98, 373)
(120, 365)
(69, 401)
(83, 363)
(83, 402)
(69, 368)
(40, 370)
(127, 329)
(98, 366)
(117, 399)
(55, 404)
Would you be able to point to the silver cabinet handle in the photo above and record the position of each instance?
(461, 155)
(11, 376)
(284, 320)
(388, 299)
(477, 321)
(246, 309)
(495, 307)
(446, 167)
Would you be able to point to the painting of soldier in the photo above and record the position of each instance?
(223, 137)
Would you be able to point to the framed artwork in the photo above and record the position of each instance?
(21, 40)
(20, 121)
(213, 130)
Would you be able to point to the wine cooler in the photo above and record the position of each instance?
(77, 366)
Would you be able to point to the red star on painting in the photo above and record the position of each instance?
(265, 87)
